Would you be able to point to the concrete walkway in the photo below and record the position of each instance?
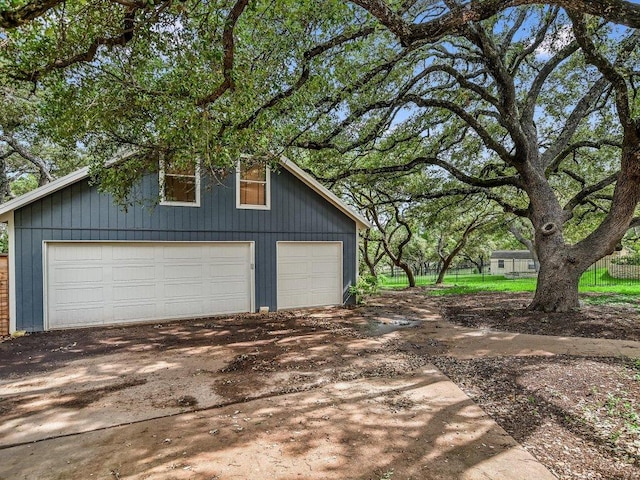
(465, 343)
(418, 426)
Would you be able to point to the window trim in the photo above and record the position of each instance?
(500, 263)
(267, 193)
(172, 203)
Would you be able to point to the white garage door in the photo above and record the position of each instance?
(108, 283)
(309, 274)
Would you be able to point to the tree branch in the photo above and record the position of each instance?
(24, 153)
(304, 75)
(469, 119)
(587, 191)
(432, 161)
(229, 52)
(581, 109)
(532, 97)
(32, 10)
(555, 163)
(125, 36)
(617, 11)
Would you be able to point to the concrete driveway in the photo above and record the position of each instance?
(327, 394)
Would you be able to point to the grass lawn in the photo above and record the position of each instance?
(597, 281)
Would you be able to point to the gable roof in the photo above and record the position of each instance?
(512, 254)
(83, 173)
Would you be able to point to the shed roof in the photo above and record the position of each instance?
(81, 174)
(512, 254)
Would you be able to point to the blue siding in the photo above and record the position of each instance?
(79, 212)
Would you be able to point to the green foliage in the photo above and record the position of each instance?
(4, 240)
(627, 260)
(24, 184)
(366, 285)
(611, 299)
(121, 178)
(330, 85)
(388, 475)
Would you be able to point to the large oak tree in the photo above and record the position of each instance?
(364, 87)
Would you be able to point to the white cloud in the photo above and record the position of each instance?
(555, 42)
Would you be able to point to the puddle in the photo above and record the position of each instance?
(377, 327)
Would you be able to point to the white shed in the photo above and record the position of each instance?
(512, 263)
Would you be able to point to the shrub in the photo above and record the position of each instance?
(366, 285)
(628, 260)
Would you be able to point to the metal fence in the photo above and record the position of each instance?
(608, 271)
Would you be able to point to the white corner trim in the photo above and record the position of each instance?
(12, 272)
(252, 277)
(324, 192)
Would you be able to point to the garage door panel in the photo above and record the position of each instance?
(84, 252)
(225, 272)
(294, 269)
(309, 274)
(133, 273)
(79, 274)
(122, 313)
(183, 290)
(297, 284)
(324, 268)
(125, 293)
(173, 252)
(143, 281)
(182, 308)
(128, 253)
(175, 272)
(324, 298)
(228, 287)
(79, 295)
(86, 317)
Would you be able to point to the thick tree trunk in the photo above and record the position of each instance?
(557, 288)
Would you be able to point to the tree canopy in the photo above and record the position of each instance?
(529, 104)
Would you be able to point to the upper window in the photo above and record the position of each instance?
(180, 184)
(253, 185)
(500, 263)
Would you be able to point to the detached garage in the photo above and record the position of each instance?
(261, 239)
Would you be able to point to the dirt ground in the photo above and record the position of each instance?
(601, 315)
(227, 397)
(579, 416)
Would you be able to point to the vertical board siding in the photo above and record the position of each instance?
(79, 212)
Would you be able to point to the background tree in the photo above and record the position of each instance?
(393, 226)
(457, 226)
(29, 157)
